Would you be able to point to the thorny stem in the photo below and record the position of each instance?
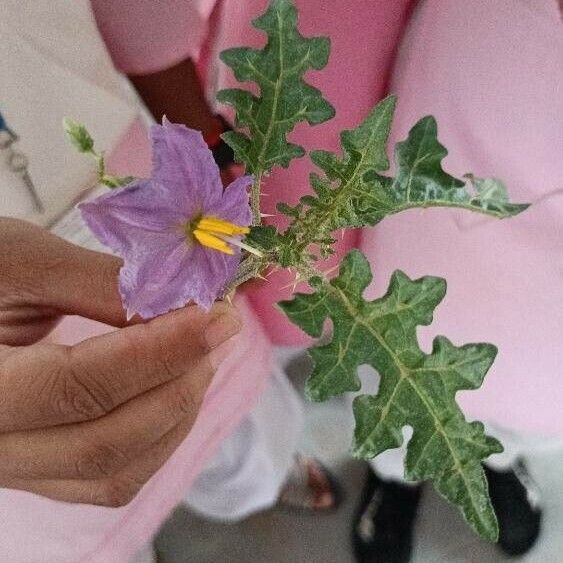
(255, 199)
(249, 268)
(252, 266)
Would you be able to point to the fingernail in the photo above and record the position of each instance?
(218, 355)
(220, 329)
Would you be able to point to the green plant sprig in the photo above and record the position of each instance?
(83, 142)
(416, 389)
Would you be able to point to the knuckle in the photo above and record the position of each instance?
(100, 460)
(150, 356)
(119, 492)
(79, 394)
(174, 360)
(185, 403)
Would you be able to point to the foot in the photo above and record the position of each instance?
(516, 501)
(384, 523)
(310, 487)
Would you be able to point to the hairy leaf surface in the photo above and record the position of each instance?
(416, 389)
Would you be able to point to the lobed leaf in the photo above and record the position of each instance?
(354, 193)
(416, 389)
(420, 180)
(284, 98)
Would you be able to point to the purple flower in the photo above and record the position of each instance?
(177, 232)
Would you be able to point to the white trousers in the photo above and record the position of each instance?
(247, 473)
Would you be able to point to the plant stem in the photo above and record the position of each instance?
(255, 199)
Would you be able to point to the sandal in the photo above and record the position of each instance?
(310, 487)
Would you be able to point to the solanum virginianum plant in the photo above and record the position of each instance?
(185, 239)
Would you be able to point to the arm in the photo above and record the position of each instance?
(177, 93)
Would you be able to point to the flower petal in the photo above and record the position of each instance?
(215, 270)
(184, 165)
(234, 206)
(172, 279)
(145, 223)
(149, 284)
(128, 218)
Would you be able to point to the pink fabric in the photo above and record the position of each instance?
(145, 36)
(497, 95)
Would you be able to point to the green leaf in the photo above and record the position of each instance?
(491, 195)
(421, 181)
(416, 389)
(78, 135)
(354, 193)
(284, 98)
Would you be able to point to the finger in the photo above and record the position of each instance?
(50, 273)
(89, 287)
(101, 448)
(114, 491)
(47, 385)
(25, 325)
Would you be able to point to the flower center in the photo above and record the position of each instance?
(218, 234)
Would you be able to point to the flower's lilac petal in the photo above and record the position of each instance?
(234, 205)
(128, 218)
(153, 284)
(214, 272)
(176, 277)
(184, 165)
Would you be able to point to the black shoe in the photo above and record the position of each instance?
(384, 522)
(516, 501)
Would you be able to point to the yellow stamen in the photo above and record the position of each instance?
(218, 234)
(205, 238)
(220, 226)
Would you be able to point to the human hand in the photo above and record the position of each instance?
(93, 422)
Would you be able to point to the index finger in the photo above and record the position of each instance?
(46, 384)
